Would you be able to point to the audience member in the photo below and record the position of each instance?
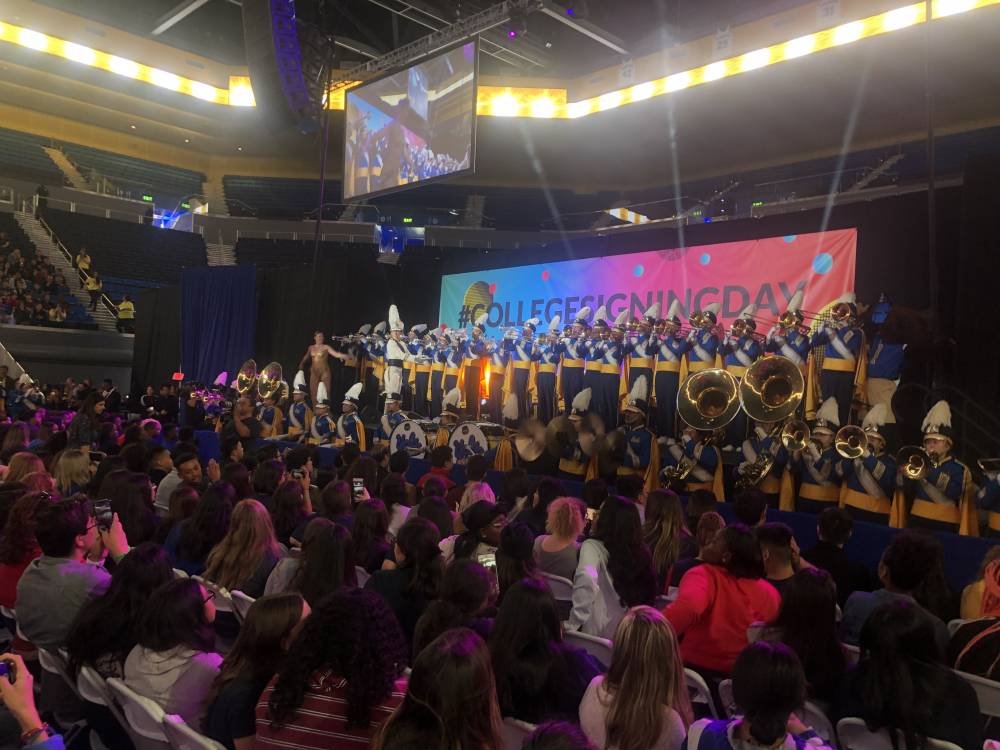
(15, 440)
(709, 524)
(775, 541)
(546, 491)
(325, 565)
(83, 430)
(182, 503)
(73, 471)
(290, 507)
(557, 735)
(393, 494)
(371, 526)
(834, 529)
(335, 503)
(271, 626)
(239, 476)
(476, 492)
(719, 600)
(515, 558)
(332, 693)
(190, 541)
(435, 508)
(451, 699)
(642, 702)
(246, 555)
(483, 523)
(515, 489)
(476, 467)
(699, 503)
(465, 594)
(441, 462)
(614, 571)
(21, 465)
(750, 508)
(972, 594)
(267, 477)
(18, 545)
(663, 530)
(131, 497)
(187, 470)
(557, 551)
(902, 684)
(974, 646)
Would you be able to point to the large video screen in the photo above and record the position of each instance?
(413, 126)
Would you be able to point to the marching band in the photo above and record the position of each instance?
(651, 397)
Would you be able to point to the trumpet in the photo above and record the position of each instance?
(915, 462)
(851, 441)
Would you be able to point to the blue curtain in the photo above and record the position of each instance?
(218, 317)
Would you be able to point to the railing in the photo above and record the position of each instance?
(351, 237)
(90, 209)
(14, 368)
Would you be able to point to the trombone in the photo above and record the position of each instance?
(851, 442)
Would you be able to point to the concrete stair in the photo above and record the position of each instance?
(220, 254)
(55, 252)
(215, 194)
(68, 168)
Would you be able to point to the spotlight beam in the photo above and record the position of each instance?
(584, 27)
(176, 15)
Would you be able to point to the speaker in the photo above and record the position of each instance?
(275, 61)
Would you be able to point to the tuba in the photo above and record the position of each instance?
(270, 383)
(246, 378)
(914, 462)
(708, 399)
(851, 441)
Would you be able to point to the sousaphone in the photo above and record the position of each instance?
(270, 383)
(246, 378)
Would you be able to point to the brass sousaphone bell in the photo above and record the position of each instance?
(270, 383)
(707, 401)
(246, 378)
(851, 441)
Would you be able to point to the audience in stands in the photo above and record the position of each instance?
(546, 492)
(515, 558)
(83, 430)
(750, 508)
(370, 531)
(642, 702)
(614, 572)
(709, 524)
(465, 594)
(539, 676)
(333, 693)
(483, 524)
(18, 546)
(557, 551)
(776, 542)
(719, 600)
(180, 507)
(190, 541)
(834, 529)
(325, 565)
(291, 508)
(663, 530)
(244, 558)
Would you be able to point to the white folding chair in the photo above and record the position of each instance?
(183, 737)
(853, 654)
(726, 698)
(954, 625)
(144, 717)
(987, 691)
(599, 648)
(54, 662)
(178, 573)
(699, 691)
(362, 575)
(515, 732)
(241, 605)
(854, 735)
(813, 715)
(223, 599)
(561, 588)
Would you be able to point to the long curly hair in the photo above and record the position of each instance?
(354, 634)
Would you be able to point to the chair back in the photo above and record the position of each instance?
(183, 737)
(223, 599)
(854, 735)
(728, 706)
(987, 691)
(515, 732)
(362, 576)
(561, 588)
(53, 661)
(599, 648)
(241, 605)
(853, 654)
(814, 715)
(699, 691)
(178, 573)
(144, 717)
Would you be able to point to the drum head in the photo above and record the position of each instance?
(468, 440)
(408, 436)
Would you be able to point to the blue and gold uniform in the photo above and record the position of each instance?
(740, 349)
(640, 348)
(573, 349)
(843, 348)
(669, 350)
(453, 359)
(576, 463)
(393, 416)
(271, 419)
(519, 379)
(988, 502)
(420, 368)
(547, 356)
(437, 352)
(498, 357)
(707, 471)
(819, 482)
(473, 363)
(594, 356)
(349, 427)
(612, 383)
(323, 425)
(870, 481)
(300, 416)
(762, 441)
(642, 452)
(374, 349)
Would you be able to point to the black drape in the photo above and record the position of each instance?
(157, 352)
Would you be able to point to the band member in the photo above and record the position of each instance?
(350, 428)
(317, 356)
(740, 349)
(396, 350)
(594, 354)
(519, 375)
(642, 452)
(573, 350)
(420, 354)
(640, 349)
(765, 440)
(819, 483)
(869, 481)
(577, 449)
(452, 360)
(789, 337)
(499, 359)
(613, 387)
(393, 416)
(323, 427)
(988, 502)
(669, 349)
(374, 349)
(943, 500)
(842, 356)
(300, 416)
(694, 451)
(886, 355)
(271, 419)
(703, 340)
(547, 355)
(473, 354)
(450, 414)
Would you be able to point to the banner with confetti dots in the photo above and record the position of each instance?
(766, 272)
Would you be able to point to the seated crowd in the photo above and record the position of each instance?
(33, 292)
(421, 616)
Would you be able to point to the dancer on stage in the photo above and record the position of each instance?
(499, 359)
(573, 349)
(473, 355)
(703, 341)
(547, 355)
(300, 416)
(642, 452)
(350, 428)
(869, 481)
(669, 349)
(843, 358)
(393, 416)
(740, 349)
(421, 353)
(317, 356)
(323, 426)
(819, 484)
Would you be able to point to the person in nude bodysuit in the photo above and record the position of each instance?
(319, 353)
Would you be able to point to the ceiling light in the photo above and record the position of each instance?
(203, 91)
(32, 40)
(756, 59)
(543, 107)
(715, 71)
(848, 32)
(580, 108)
(123, 66)
(609, 101)
(239, 148)
(241, 95)
(132, 126)
(678, 81)
(900, 18)
(164, 80)
(803, 45)
(642, 91)
(944, 8)
(80, 54)
(187, 140)
(505, 105)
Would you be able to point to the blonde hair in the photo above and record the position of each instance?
(21, 464)
(663, 528)
(72, 468)
(565, 518)
(646, 675)
(249, 538)
(474, 493)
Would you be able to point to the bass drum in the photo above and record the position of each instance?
(408, 436)
(468, 439)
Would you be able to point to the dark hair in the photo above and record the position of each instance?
(174, 615)
(180, 507)
(267, 476)
(835, 525)
(557, 735)
(744, 552)
(296, 458)
(366, 468)
(934, 594)
(348, 455)
(476, 468)
(450, 700)
(399, 462)
(749, 507)
(268, 452)
(768, 685)
(288, 508)
(629, 561)
(18, 543)
(908, 560)
(548, 489)
(107, 627)
(699, 503)
(182, 458)
(440, 456)
(208, 524)
(777, 538)
(434, 487)
(131, 496)
(515, 555)
(239, 476)
(630, 486)
(515, 484)
(90, 404)
(336, 499)
(435, 510)
(227, 448)
(135, 457)
(476, 518)
(464, 592)
(393, 491)
(369, 652)
(326, 563)
(663, 528)
(418, 538)
(59, 523)
(595, 492)
(807, 623)
(901, 677)
(370, 525)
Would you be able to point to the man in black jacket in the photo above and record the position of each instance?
(834, 529)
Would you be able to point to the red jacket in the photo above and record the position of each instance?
(712, 612)
(436, 471)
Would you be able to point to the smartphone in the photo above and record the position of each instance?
(489, 561)
(8, 669)
(103, 514)
(298, 473)
(359, 486)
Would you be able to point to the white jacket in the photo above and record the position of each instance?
(597, 608)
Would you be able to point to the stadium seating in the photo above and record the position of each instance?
(277, 197)
(136, 177)
(21, 156)
(133, 255)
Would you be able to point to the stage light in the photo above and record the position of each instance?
(642, 91)
(756, 59)
(543, 107)
(512, 34)
(580, 109)
(678, 81)
(203, 91)
(848, 32)
(164, 80)
(32, 40)
(609, 101)
(799, 47)
(123, 67)
(943, 8)
(240, 92)
(900, 18)
(714, 71)
(505, 105)
(79, 54)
